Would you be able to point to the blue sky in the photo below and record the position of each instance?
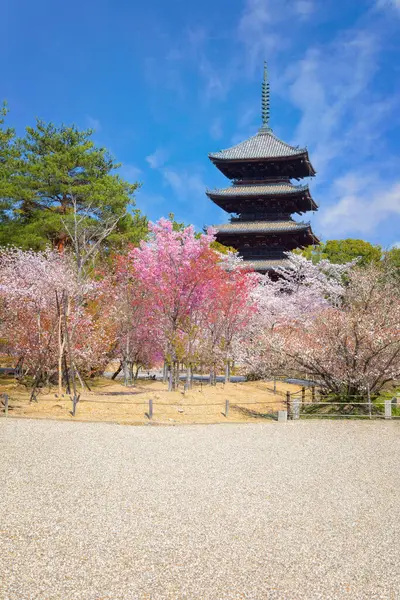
(166, 82)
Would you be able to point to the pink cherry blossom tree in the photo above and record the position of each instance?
(176, 269)
(137, 342)
(302, 291)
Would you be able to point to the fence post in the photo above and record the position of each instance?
(226, 407)
(296, 409)
(282, 416)
(388, 409)
(313, 394)
(303, 394)
(5, 396)
(150, 409)
(369, 401)
(288, 404)
(75, 400)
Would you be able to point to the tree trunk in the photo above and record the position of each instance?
(171, 380)
(126, 362)
(70, 355)
(126, 371)
(227, 371)
(117, 372)
(213, 375)
(66, 375)
(80, 379)
(176, 375)
(61, 348)
(189, 377)
(131, 373)
(165, 372)
(37, 378)
(18, 371)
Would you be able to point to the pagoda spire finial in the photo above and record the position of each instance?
(265, 100)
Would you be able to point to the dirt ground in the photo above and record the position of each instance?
(113, 402)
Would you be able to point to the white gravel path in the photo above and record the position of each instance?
(301, 510)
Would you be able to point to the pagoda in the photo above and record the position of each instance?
(262, 197)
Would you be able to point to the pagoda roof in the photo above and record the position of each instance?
(263, 154)
(264, 144)
(256, 189)
(261, 227)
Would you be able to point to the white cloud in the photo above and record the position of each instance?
(216, 129)
(168, 76)
(262, 27)
(150, 203)
(184, 184)
(330, 86)
(130, 172)
(216, 87)
(388, 3)
(304, 8)
(395, 245)
(93, 123)
(257, 32)
(340, 113)
(158, 158)
(360, 204)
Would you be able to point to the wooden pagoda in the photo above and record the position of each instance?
(262, 198)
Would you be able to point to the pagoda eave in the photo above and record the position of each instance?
(298, 202)
(280, 239)
(295, 167)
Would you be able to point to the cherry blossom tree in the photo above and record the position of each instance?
(355, 347)
(302, 290)
(44, 320)
(176, 268)
(337, 324)
(230, 308)
(137, 341)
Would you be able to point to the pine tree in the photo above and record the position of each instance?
(8, 155)
(60, 172)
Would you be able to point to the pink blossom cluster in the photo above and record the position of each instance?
(175, 301)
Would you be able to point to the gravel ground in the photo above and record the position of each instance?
(301, 510)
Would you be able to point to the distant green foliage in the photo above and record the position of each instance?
(221, 248)
(180, 226)
(8, 156)
(176, 225)
(392, 261)
(343, 251)
(379, 402)
(47, 171)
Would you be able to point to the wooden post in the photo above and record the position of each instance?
(75, 401)
(388, 409)
(274, 385)
(150, 409)
(288, 404)
(226, 407)
(303, 394)
(296, 409)
(313, 394)
(5, 396)
(369, 402)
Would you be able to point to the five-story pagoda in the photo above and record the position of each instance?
(262, 197)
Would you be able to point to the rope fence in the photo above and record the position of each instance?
(302, 404)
